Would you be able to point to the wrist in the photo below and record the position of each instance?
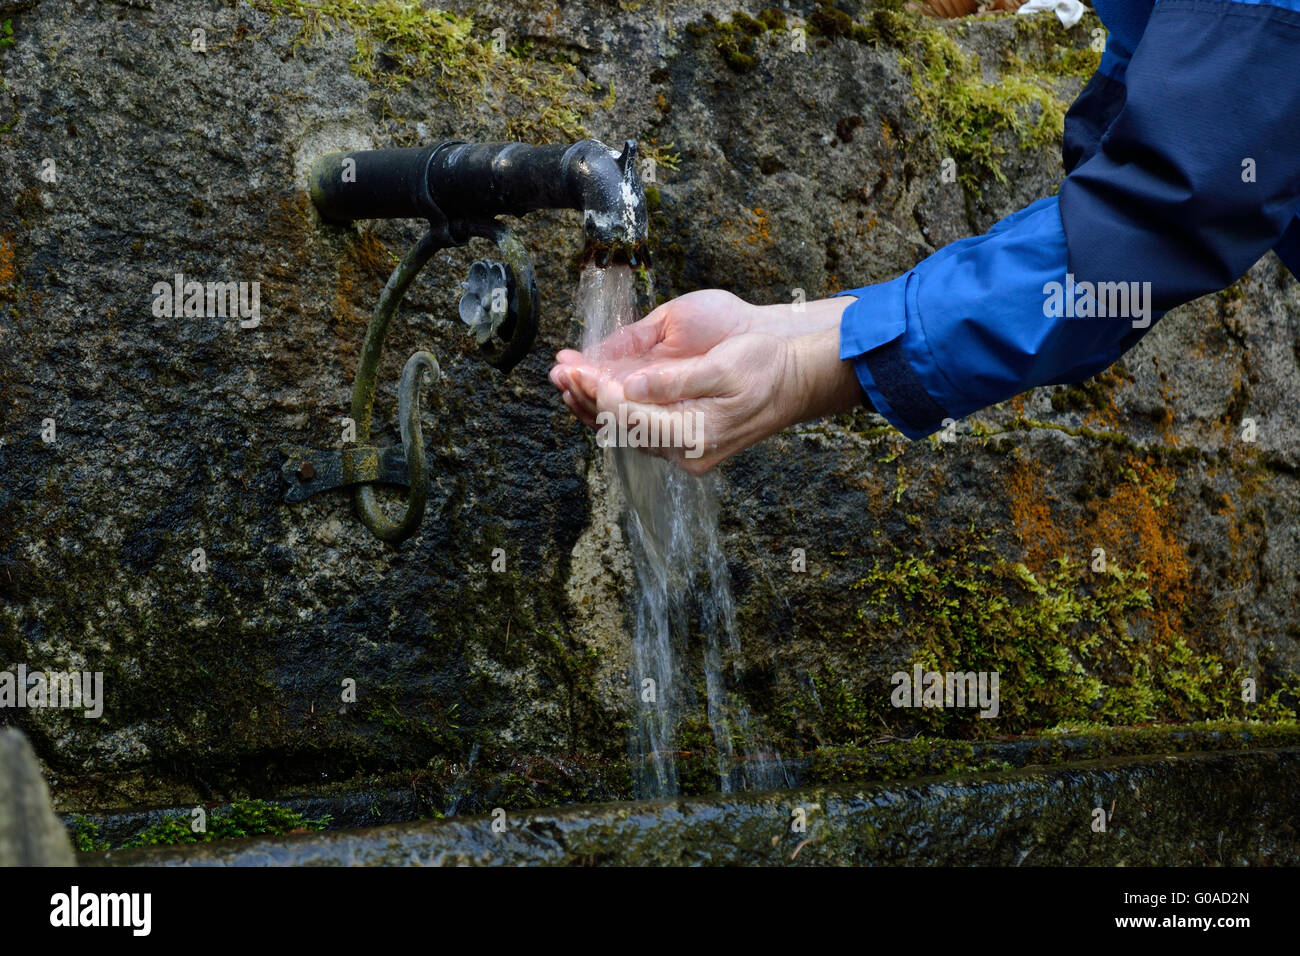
(822, 383)
(791, 319)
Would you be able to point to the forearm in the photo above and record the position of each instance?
(1174, 192)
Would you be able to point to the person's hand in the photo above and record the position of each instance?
(737, 372)
(687, 326)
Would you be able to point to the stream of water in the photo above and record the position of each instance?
(684, 620)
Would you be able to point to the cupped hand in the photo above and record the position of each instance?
(700, 409)
(738, 372)
(687, 326)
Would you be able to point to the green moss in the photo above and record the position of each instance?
(898, 760)
(829, 21)
(410, 733)
(397, 41)
(1047, 46)
(661, 155)
(736, 40)
(85, 836)
(744, 23)
(963, 111)
(930, 756)
(740, 58)
(697, 756)
(1060, 641)
(1235, 292)
(243, 818)
(1071, 646)
(966, 113)
(840, 715)
(772, 18)
(736, 44)
(1082, 396)
(7, 40)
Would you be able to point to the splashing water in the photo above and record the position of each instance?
(681, 577)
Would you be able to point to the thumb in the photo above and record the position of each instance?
(633, 339)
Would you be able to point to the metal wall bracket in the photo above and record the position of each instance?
(309, 471)
(361, 467)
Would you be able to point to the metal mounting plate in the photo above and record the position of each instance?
(309, 471)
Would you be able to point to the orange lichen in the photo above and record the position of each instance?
(8, 271)
(364, 269)
(886, 132)
(372, 256)
(760, 234)
(1108, 414)
(286, 233)
(743, 236)
(1136, 524)
(345, 313)
(1031, 514)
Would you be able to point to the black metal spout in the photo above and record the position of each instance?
(467, 184)
(459, 188)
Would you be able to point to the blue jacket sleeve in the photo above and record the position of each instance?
(1187, 183)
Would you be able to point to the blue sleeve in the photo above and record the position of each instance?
(1194, 177)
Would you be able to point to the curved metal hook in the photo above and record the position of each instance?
(363, 401)
(518, 339)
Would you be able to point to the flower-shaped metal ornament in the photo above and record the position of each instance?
(486, 301)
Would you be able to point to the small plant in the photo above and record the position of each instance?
(85, 835)
(242, 818)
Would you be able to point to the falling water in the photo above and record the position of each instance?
(681, 576)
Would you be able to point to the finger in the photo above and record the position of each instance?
(609, 394)
(584, 381)
(578, 410)
(567, 379)
(676, 433)
(569, 357)
(635, 339)
(582, 386)
(669, 382)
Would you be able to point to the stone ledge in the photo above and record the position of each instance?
(1185, 809)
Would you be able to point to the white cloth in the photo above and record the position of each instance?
(1070, 11)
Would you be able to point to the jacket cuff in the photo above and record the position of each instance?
(872, 332)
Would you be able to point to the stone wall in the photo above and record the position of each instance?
(778, 169)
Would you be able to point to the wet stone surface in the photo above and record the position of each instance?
(1193, 809)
